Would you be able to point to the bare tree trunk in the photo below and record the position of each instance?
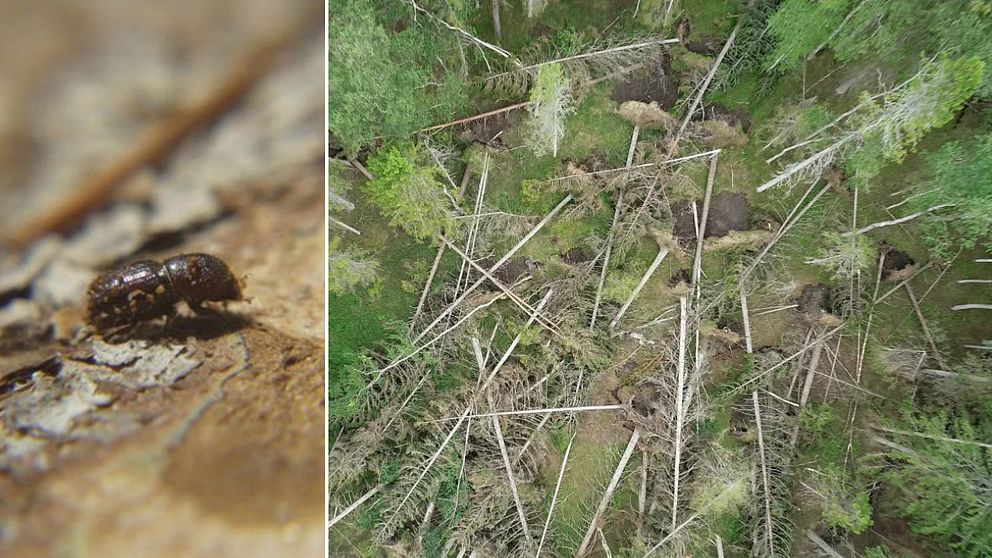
(549, 325)
(577, 409)
(495, 266)
(435, 339)
(764, 474)
(642, 494)
(747, 321)
(351, 229)
(822, 544)
(427, 287)
(606, 263)
(354, 506)
(463, 187)
(698, 262)
(673, 146)
(633, 145)
(609, 492)
(926, 329)
(554, 498)
(462, 32)
(468, 408)
(900, 220)
(530, 440)
(662, 252)
(361, 168)
(586, 55)
(931, 437)
(473, 118)
(790, 358)
(967, 377)
(679, 410)
(496, 24)
(900, 284)
(814, 362)
(509, 476)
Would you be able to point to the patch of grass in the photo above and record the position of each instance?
(509, 173)
(356, 321)
(709, 18)
(822, 437)
(729, 527)
(596, 128)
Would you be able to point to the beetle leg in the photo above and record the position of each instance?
(119, 333)
(200, 310)
(170, 317)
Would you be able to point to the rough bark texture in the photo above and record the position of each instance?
(203, 438)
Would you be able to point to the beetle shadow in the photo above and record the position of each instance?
(204, 326)
(179, 328)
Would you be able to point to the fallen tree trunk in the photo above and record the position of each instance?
(608, 495)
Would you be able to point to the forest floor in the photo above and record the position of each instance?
(568, 251)
(203, 437)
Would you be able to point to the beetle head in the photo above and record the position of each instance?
(202, 277)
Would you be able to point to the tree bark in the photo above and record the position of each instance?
(497, 27)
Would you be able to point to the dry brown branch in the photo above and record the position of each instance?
(361, 168)
(474, 118)
(97, 188)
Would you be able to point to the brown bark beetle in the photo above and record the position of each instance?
(147, 289)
